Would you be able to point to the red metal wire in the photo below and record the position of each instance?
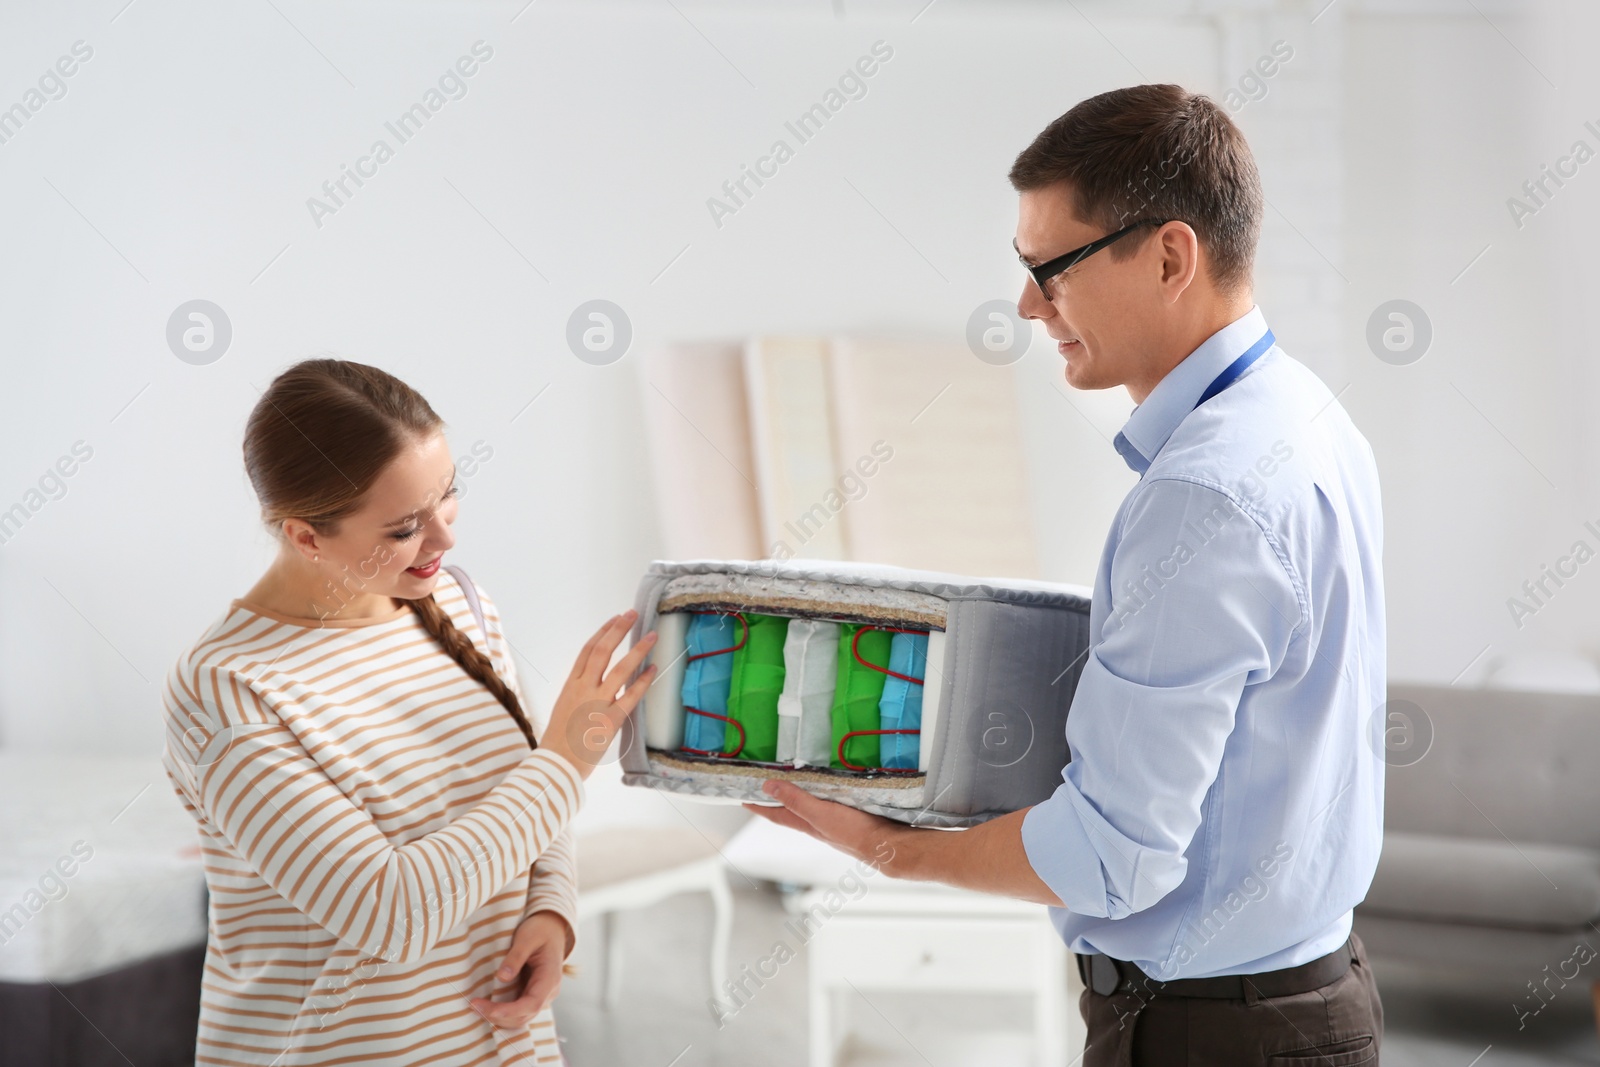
(855, 651)
(743, 637)
(707, 752)
(886, 770)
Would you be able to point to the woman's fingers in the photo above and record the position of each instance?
(604, 643)
(546, 977)
(582, 661)
(634, 693)
(585, 718)
(627, 665)
(607, 719)
(538, 958)
(508, 1015)
(585, 666)
(521, 949)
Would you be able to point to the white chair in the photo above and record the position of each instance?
(633, 867)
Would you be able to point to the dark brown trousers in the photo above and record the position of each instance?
(1339, 1025)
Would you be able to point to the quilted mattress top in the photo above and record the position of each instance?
(885, 576)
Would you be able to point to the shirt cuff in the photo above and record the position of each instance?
(1061, 853)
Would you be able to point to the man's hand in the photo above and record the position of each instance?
(870, 838)
(987, 858)
(537, 949)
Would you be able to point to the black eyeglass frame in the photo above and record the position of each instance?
(1043, 272)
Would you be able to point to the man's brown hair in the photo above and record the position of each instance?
(1154, 151)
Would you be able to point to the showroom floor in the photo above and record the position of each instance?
(664, 1020)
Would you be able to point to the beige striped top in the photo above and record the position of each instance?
(374, 829)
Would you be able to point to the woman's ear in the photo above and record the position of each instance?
(299, 535)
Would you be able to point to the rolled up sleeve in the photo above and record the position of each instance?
(1201, 604)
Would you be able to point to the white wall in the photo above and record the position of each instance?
(1479, 441)
(585, 150)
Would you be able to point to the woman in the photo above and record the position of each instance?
(390, 868)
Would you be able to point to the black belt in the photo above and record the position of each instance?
(1105, 976)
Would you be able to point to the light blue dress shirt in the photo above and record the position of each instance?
(1222, 810)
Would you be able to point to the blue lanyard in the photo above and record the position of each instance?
(1231, 373)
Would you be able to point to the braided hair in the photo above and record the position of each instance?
(318, 439)
(474, 662)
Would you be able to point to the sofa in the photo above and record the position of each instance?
(1491, 851)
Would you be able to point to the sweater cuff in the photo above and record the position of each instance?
(566, 771)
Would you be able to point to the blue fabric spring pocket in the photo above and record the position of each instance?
(900, 707)
(707, 678)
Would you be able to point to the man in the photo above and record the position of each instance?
(1221, 813)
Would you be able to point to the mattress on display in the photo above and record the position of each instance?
(929, 698)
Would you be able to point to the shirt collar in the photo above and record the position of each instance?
(1152, 422)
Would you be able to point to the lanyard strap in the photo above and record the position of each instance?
(1236, 368)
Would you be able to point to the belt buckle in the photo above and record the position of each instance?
(1104, 978)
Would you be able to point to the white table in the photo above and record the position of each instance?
(905, 937)
(912, 937)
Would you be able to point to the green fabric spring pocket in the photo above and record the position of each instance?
(857, 692)
(758, 671)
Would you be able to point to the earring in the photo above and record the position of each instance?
(314, 558)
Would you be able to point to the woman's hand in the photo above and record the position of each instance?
(588, 713)
(537, 949)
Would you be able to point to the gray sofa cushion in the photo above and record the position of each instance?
(1500, 762)
(1526, 885)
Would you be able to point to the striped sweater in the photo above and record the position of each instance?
(374, 829)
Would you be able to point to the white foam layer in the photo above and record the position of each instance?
(663, 701)
(932, 686)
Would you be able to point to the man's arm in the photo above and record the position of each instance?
(1200, 603)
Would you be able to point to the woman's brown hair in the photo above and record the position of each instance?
(318, 439)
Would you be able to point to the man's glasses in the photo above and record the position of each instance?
(1043, 272)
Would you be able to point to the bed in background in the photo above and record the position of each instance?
(102, 914)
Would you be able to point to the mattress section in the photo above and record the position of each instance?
(927, 697)
(100, 867)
